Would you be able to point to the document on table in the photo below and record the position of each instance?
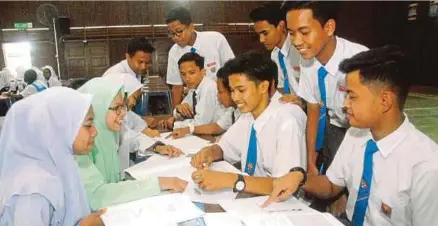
(163, 166)
(188, 144)
(289, 213)
(163, 210)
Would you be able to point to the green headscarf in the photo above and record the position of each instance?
(106, 143)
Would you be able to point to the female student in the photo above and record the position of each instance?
(135, 134)
(51, 78)
(40, 182)
(100, 170)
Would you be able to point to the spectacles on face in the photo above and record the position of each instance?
(118, 109)
(176, 33)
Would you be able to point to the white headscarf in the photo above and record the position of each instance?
(130, 83)
(53, 80)
(36, 152)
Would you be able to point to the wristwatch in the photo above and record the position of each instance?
(299, 169)
(239, 185)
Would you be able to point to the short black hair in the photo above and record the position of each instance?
(387, 65)
(30, 76)
(139, 44)
(199, 60)
(181, 14)
(222, 75)
(256, 65)
(270, 12)
(322, 10)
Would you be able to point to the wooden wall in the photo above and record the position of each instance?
(372, 23)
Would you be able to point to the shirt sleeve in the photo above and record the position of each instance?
(306, 89)
(102, 194)
(24, 210)
(225, 120)
(424, 198)
(173, 75)
(335, 173)
(291, 148)
(225, 50)
(135, 122)
(227, 142)
(29, 90)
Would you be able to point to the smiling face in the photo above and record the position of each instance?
(116, 113)
(247, 94)
(84, 140)
(307, 34)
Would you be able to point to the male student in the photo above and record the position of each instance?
(311, 27)
(388, 166)
(270, 25)
(268, 138)
(226, 119)
(211, 45)
(200, 106)
(138, 59)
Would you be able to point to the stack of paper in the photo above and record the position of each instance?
(163, 210)
(163, 166)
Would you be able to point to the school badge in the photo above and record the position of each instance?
(363, 184)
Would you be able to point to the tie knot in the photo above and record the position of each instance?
(193, 50)
(371, 147)
(280, 54)
(322, 72)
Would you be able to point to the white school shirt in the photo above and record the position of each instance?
(334, 81)
(120, 68)
(208, 108)
(405, 173)
(281, 141)
(211, 45)
(30, 89)
(292, 62)
(226, 119)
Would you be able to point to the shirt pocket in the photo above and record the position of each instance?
(392, 210)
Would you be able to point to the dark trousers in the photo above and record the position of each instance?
(332, 140)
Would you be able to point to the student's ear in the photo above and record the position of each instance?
(281, 25)
(264, 87)
(330, 27)
(203, 71)
(388, 100)
(127, 56)
(191, 27)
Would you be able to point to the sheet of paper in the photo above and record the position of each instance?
(163, 210)
(221, 219)
(162, 166)
(248, 206)
(188, 144)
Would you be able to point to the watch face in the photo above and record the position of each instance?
(240, 185)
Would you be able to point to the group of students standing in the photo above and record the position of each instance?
(322, 114)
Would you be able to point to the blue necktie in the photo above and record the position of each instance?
(284, 69)
(322, 73)
(193, 50)
(365, 185)
(251, 158)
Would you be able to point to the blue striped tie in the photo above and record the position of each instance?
(251, 158)
(193, 50)
(365, 185)
(286, 88)
(322, 73)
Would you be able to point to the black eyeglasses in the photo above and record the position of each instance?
(118, 109)
(176, 33)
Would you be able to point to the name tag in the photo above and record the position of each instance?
(296, 68)
(212, 66)
(386, 210)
